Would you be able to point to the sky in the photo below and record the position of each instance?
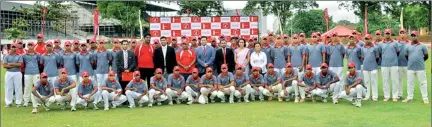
(332, 6)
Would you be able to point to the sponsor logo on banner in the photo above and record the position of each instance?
(235, 25)
(155, 26)
(176, 19)
(196, 32)
(205, 19)
(186, 26)
(176, 26)
(216, 25)
(254, 18)
(196, 25)
(254, 31)
(235, 31)
(235, 19)
(253, 24)
(245, 31)
(216, 32)
(185, 19)
(226, 32)
(196, 19)
(225, 19)
(244, 25)
(154, 20)
(225, 25)
(165, 33)
(165, 20)
(244, 19)
(216, 19)
(155, 33)
(165, 26)
(205, 26)
(176, 33)
(186, 32)
(206, 32)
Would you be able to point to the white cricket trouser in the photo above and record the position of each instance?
(394, 73)
(421, 77)
(259, 93)
(36, 101)
(289, 90)
(355, 93)
(371, 81)
(52, 80)
(402, 75)
(334, 89)
(13, 83)
(100, 78)
(109, 96)
(221, 93)
(29, 80)
(280, 70)
(300, 74)
(204, 94)
(132, 96)
(299, 91)
(191, 93)
(72, 99)
(153, 92)
(247, 89)
(173, 94)
(93, 99)
(275, 89)
(316, 70)
(339, 73)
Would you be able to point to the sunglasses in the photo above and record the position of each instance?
(159, 73)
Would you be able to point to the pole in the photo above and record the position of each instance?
(139, 20)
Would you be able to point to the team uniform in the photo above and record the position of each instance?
(103, 57)
(177, 84)
(68, 95)
(110, 95)
(309, 82)
(370, 56)
(84, 60)
(314, 53)
(389, 68)
(68, 61)
(43, 90)
(242, 83)
(290, 87)
(224, 81)
(278, 54)
(205, 90)
(31, 74)
(257, 81)
(161, 84)
(336, 55)
(296, 54)
(192, 86)
(50, 64)
(140, 88)
(269, 81)
(86, 90)
(325, 80)
(353, 54)
(417, 54)
(357, 93)
(12, 80)
(402, 64)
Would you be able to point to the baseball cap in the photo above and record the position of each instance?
(278, 37)
(83, 44)
(238, 66)
(156, 41)
(111, 72)
(368, 36)
(288, 65)
(76, 42)
(195, 70)
(224, 66)
(19, 41)
(68, 43)
(115, 40)
(295, 36)
(318, 33)
(14, 45)
(351, 35)
(255, 68)
(92, 41)
(174, 39)
(378, 32)
(43, 75)
(176, 68)
(30, 43)
(270, 65)
(49, 43)
(308, 66)
(302, 34)
(354, 32)
(334, 34)
(270, 34)
(63, 70)
(414, 33)
(57, 40)
(324, 65)
(264, 37)
(209, 69)
(40, 35)
(314, 35)
(158, 70)
(101, 41)
(402, 30)
(85, 73)
(184, 41)
(137, 73)
(387, 31)
(183, 37)
(194, 38)
(285, 36)
(351, 64)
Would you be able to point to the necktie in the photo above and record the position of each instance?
(224, 55)
(125, 57)
(205, 51)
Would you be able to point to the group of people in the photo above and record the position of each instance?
(228, 69)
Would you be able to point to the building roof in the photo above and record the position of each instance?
(342, 31)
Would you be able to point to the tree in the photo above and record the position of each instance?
(344, 23)
(201, 8)
(283, 9)
(124, 11)
(378, 21)
(308, 22)
(414, 12)
(17, 30)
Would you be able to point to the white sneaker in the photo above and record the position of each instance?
(189, 103)
(358, 103)
(170, 103)
(140, 105)
(247, 101)
(113, 106)
(426, 101)
(95, 107)
(178, 101)
(335, 101)
(324, 100)
(72, 108)
(25, 104)
(159, 103)
(106, 109)
(231, 102)
(131, 106)
(18, 106)
(150, 105)
(239, 100)
(212, 101)
(64, 107)
(35, 110)
(296, 100)
(407, 100)
(365, 99)
(8, 106)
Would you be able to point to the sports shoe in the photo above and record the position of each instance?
(95, 107)
(426, 101)
(72, 108)
(247, 101)
(395, 100)
(45, 107)
(212, 101)
(353, 102)
(63, 107)
(302, 100)
(270, 98)
(18, 106)
(239, 100)
(8, 106)
(358, 103)
(25, 104)
(385, 99)
(288, 99)
(170, 103)
(407, 100)
(150, 105)
(131, 106)
(159, 103)
(280, 99)
(335, 101)
(324, 100)
(189, 103)
(140, 105)
(178, 101)
(106, 109)
(113, 106)
(313, 99)
(35, 110)
(375, 99)
(366, 98)
(231, 101)
(296, 100)
(253, 98)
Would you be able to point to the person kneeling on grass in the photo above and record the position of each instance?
(327, 81)
(137, 90)
(289, 81)
(207, 84)
(355, 91)
(272, 81)
(306, 84)
(65, 89)
(257, 82)
(225, 85)
(176, 88)
(43, 92)
(112, 91)
(242, 84)
(87, 91)
(159, 86)
(192, 85)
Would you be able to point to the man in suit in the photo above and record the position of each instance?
(205, 55)
(224, 55)
(164, 57)
(125, 65)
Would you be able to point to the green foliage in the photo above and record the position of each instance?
(377, 21)
(344, 23)
(308, 22)
(124, 11)
(17, 30)
(281, 8)
(202, 8)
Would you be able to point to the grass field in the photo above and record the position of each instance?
(254, 114)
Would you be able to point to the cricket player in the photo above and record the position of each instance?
(224, 85)
(66, 90)
(289, 83)
(76, 47)
(242, 84)
(31, 71)
(93, 45)
(316, 54)
(370, 57)
(403, 42)
(389, 51)
(278, 54)
(137, 90)
(354, 89)
(305, 85)
(13, 63)
(377, 41)
(176, 87)
(103, 58)
(297, 55)
(87, 91)
(68, 61)
(353, 52)
(192, 85)
(208, 84)
(327, 82)
(417, 54)
(57, 49)
(336, 52)
(114, 52)
(258, 84)
(50, 62)
(85, 61)
(42, 93)
(158, 85)
(272, 81)
(112, 91)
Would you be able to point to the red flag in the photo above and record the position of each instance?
(188, 12)
(237, 12)
(44, 11)
(365, 29)
(95, 22)
(326, 18)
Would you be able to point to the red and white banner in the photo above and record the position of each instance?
(175, 27)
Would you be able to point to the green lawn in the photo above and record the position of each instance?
(259, 114)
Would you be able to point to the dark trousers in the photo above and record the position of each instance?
(123, 85)
(185, 76)
(146, 74)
